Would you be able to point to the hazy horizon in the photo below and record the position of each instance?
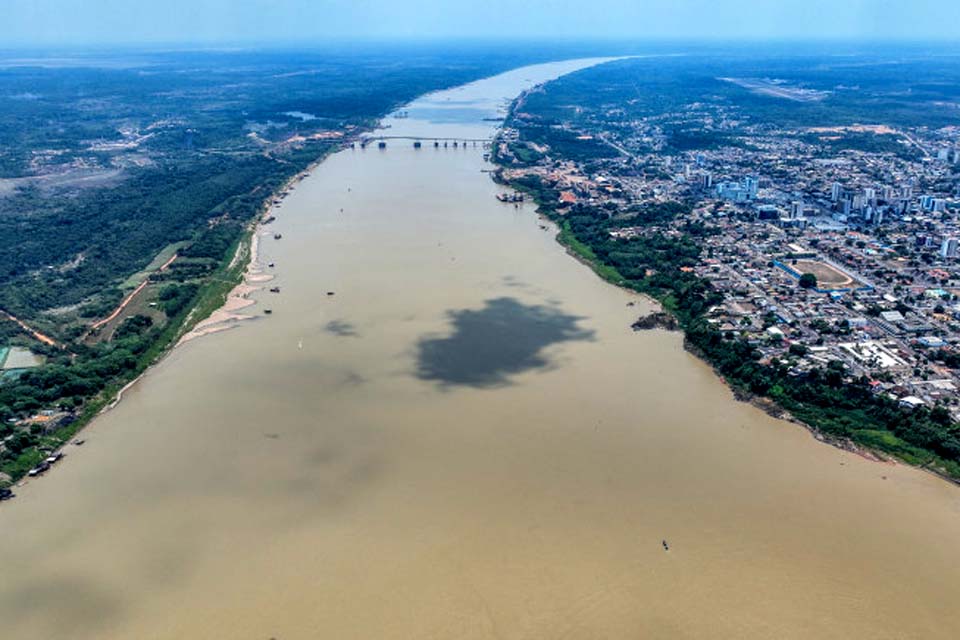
(91, 23)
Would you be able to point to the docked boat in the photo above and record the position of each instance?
(39, 470)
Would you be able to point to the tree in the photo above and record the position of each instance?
(798, 349)
(808, 281)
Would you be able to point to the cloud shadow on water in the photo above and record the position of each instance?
(489, 345)
(341, 328)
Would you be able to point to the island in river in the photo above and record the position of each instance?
(468, 440)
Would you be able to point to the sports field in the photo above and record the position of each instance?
(828, 277)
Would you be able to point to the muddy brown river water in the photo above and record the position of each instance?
(466, 441)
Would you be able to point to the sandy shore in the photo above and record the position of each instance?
(227, 316)
(230, 314)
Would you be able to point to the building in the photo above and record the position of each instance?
(768, 212)
(836, 192)
(949, 248)
(738, 191)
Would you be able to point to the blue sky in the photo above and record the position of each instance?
(68, 22)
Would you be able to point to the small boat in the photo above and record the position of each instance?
(268, 311)
(666, 547)
(277, 236)
(79, 443)
(40, 469)
(330, 293)
(300, 344)
(7, 494)
(270, 264)
(274, 289)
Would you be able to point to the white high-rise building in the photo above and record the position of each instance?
(949, 248)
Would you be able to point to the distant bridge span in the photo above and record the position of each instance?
(372, 138)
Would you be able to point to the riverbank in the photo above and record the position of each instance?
(215, 307)
(877, 444)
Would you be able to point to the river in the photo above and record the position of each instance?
(466, 441)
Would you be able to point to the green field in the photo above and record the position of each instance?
(18, 358)
(134, 281)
